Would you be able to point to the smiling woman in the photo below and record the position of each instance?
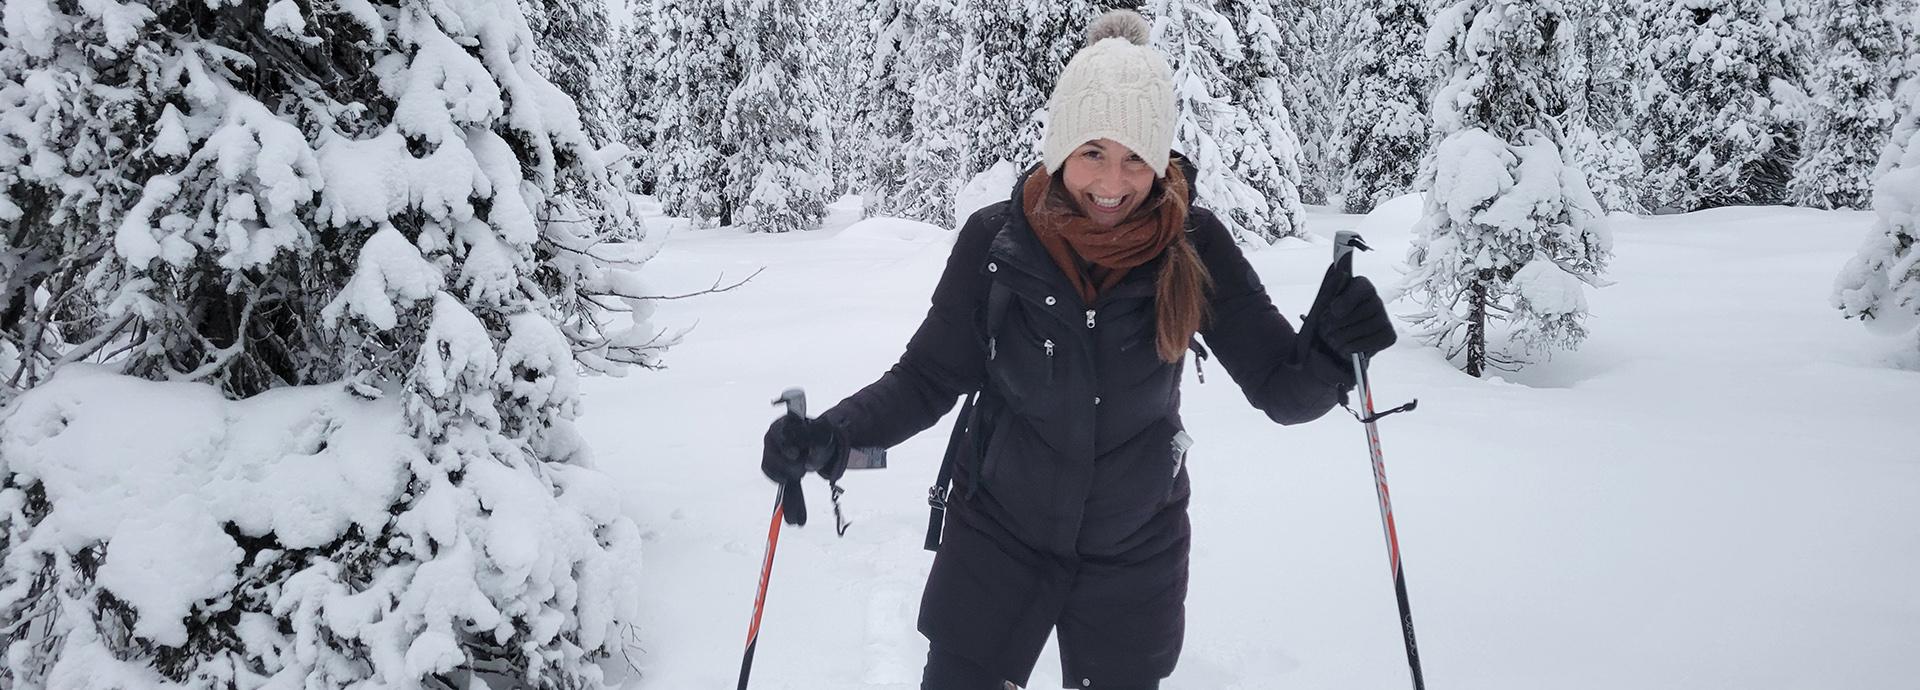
(1066, 313)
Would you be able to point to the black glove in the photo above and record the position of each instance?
(1347, 318)
(795, 446)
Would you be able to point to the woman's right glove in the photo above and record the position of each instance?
(796, 445)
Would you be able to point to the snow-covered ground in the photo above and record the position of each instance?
(1720, 490)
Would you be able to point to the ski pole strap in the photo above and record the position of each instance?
(1409, 407)
(840, 523)
(942, 485)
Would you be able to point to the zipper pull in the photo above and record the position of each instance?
(1200, 369)
(1090, 318)
(1049, 346)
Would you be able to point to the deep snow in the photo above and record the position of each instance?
(1721, 489)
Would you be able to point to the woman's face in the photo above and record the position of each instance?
(1107, 180)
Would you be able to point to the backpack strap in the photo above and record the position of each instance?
(942, 485)
(997, 298)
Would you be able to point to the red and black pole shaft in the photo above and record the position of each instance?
(1345, 243)
(796, 402)
(766, 574)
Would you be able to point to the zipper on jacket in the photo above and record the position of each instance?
(1048, 347)
(1090, 314)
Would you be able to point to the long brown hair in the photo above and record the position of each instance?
(1182, 290)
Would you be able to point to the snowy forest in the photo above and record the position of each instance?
(338, 270)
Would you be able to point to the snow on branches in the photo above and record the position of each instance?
(1382, 128)
(292, 236)
(1710, 132)
(1510, 234)
(1232, 124)
(1880, 285)
(1852, 106)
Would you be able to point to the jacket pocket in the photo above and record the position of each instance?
(1024, 364)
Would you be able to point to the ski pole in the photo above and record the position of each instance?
(796, 402)
(1344, 244)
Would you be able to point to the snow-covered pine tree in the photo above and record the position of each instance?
(936, 150)
(1002, 93)
(883, 124)
(1860, 59)
(243, 208)
(777, 120)
(635, 95)
(1317, 34)
(1881, 283)
(574, 50)
(1510, 232)
(843, 32)
(1598, 69)
(1213, 131)
(1705, 114)
(1270, 160)
(696, 68)
(1382, 129)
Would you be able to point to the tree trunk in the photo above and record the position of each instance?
(1477, 325)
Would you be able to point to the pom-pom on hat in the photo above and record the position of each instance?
(1117, 87)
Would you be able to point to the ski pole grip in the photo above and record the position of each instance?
(795, 400)
(1345, 243)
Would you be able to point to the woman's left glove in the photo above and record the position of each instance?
(1352, 319)
(795, 446)
(1347, 318)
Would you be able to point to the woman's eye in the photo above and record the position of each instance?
(1091, 155)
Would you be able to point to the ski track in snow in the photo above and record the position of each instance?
(1718, 491)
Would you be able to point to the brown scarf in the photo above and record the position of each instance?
(1095, 257)
(1071, 237)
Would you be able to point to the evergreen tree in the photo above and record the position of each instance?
(1215, 132)
(635, 96)
(843, 34)
(1003, 94)
(776, 119)
(1317, 33)
(884, 120)
(1270, 161)
(696, 68)
(1510, 233)
(1709, 133)
(935, 152)
(574, 50)
(1382, 128)
(1598, 71)
(1860, 62)
(1880, 285)
(226, 194)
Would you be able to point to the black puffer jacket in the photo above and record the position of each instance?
(1073, 450)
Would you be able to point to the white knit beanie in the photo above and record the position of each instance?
(1115, 88)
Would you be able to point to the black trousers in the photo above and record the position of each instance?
(993, 600)
(947, 671)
